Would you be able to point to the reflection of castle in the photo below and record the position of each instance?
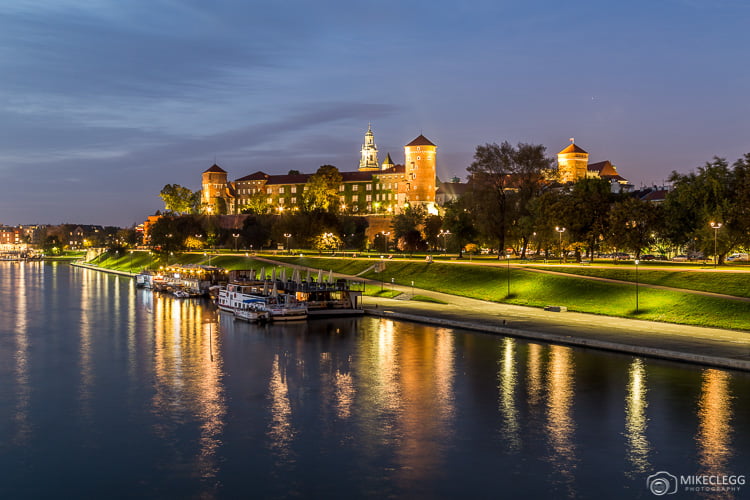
(370, 189)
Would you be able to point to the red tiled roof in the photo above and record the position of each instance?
(288, 179)
(396, 169)
(658, 195)
(421, 141)
(357, 176)
(216, 168)
(572, 149)
(257, 176)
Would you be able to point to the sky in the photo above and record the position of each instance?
(102, 103)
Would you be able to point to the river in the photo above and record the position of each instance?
(108, 391)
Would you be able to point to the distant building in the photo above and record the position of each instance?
(372, 188)
(573, 165)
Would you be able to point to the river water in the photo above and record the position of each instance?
(107, 391)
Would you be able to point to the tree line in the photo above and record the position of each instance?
(513, 204)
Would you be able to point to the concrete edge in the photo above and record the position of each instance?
(652, 352)
(83, 265)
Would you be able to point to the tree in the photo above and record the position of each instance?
(715, 193)
(498, 174)
(406, 226)
(460, 223)
(432, 226)
(178, 199)
(633, 225)
(322, 190)
(584, 212)
(256, 204)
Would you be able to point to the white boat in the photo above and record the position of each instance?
(253, 310)
(281, 307)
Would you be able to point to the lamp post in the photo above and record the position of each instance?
(636, 285)
(199, 236)
(385, 235)
(444, 234)
(560, 230)
(507, 258)
(236, 236)
(287, 236)
(716, 226)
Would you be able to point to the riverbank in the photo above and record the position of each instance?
(724, 348)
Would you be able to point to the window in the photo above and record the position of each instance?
(369, 187)
(355, 187)
(368, 197)
(342, 199)
(419, 157)
(269, 201)
(294, 200)
(294, 189)
(355, 198)
(281, 201)
(341, 187)
(281, 190)
(305, 188)
(269, 191)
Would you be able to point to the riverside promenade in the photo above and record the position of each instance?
(706, 346)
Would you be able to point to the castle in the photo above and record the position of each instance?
(573, 165)
(386, 188)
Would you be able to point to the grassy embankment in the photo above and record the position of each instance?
(537, 289)
(527, 288)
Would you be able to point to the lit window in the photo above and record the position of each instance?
(341, 187)
(294, 200)
(294, 189)
(355, 187)
(369, 187)
(281, 190)
(368, 197)
(355, 198)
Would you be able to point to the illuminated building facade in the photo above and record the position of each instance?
(573, 165)
(373, 188)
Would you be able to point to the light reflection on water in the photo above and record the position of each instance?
(370, 406)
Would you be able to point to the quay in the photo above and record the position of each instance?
(729, 349)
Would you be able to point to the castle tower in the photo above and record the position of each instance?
(572, 163)
(419, 168)
(369, 160)
(387, 163)
(213, 187)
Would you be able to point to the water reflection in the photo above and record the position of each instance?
(714, 438)
(636, 420)
(188, 368)
(507, 380)
(21, 354)
(280, 430)
(560, 423)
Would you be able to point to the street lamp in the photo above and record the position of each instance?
(507, 258)
(716, 226)
(236, 236)
(560, 230)
(385, 235)
(287, 236)
(636, 285)
(198, 237)
(444, 234)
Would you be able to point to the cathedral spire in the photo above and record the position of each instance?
(369, 159)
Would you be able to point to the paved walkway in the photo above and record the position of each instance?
(708, 346)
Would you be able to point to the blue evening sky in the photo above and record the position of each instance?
(104, 102)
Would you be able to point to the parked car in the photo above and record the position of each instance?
(648, 256)
(680, 258)
(739, 257)
(621, 256)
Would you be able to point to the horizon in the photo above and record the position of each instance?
(105, 104)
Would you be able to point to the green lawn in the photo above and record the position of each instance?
(538, 290)
(737, 284)
(526, 287)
